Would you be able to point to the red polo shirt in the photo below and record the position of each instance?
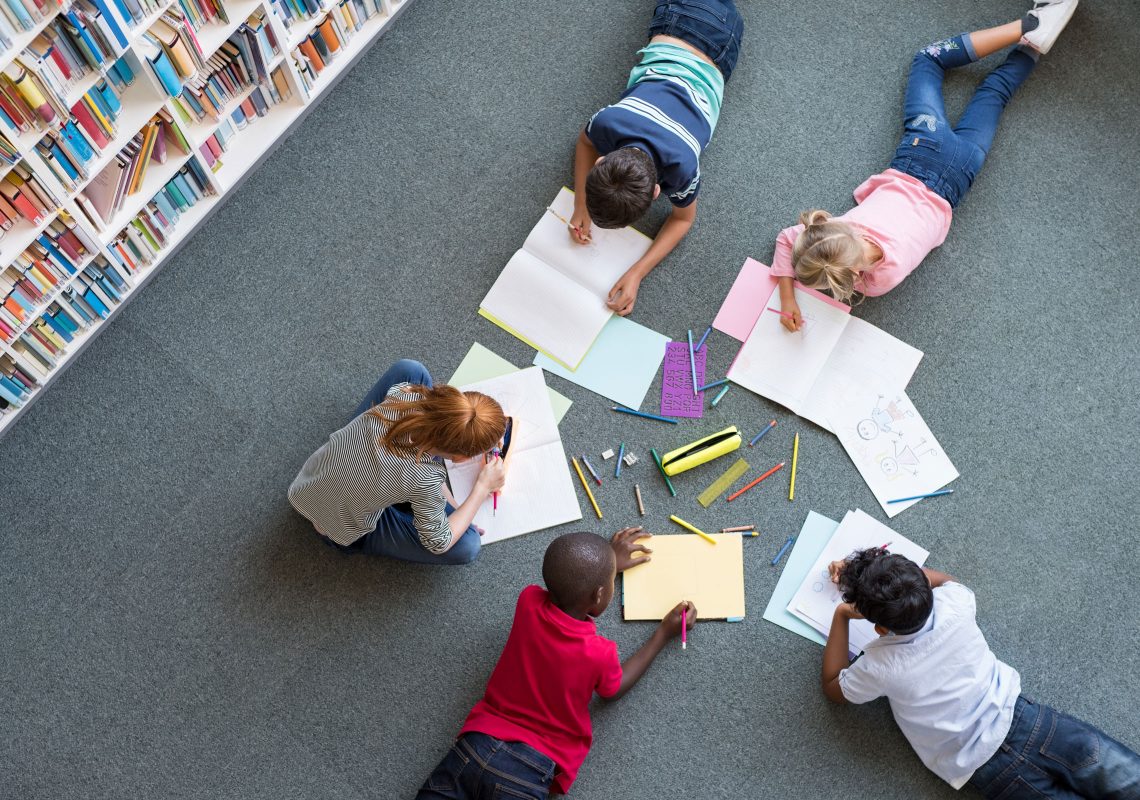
(541, 688)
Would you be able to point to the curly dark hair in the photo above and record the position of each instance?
(619, 188)
(889, 590)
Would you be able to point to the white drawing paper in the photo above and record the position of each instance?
(539, 492)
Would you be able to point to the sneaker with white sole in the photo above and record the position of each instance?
(1052, 16)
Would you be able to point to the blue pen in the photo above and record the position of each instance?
(720, 394)
(714, 384)
(701, 343)
(920, 496)
(693, 362)
(621, 452)
(760, 435)
(783, 550)
(624, 410)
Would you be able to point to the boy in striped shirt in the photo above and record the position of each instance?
(651, 140)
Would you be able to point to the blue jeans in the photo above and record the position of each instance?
(714, 27)
(481, 767)
(947, 159)
(395, 534)
(1050, 754)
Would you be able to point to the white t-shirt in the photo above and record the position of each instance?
(949, 694)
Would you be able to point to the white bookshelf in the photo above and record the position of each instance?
(141, 101)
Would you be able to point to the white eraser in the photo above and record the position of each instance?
(606, 456)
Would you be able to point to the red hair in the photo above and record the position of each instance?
(442, 419)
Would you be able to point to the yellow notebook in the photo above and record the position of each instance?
(686, 567)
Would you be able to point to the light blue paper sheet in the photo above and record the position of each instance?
(621, 365)
(814, 536)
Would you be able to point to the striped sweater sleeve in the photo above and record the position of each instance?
(429, 509)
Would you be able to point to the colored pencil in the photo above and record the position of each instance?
(630, 411)
(495, 495)
(720, 394)
(586, 486)
(714, 384)
(783, 550)
(692, 528)
(781, 313)
(684, 625)
(760, 435)
(701, 343)
(621, 453)
(738, 528)
(693, 362)
(795, 460)
(739, 492)
(669, 483)
(640, 503)
(593, 472)
(563, 220)
(939, 493)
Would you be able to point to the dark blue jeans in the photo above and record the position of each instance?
(714, 27)
(481, 767)
(947, 159)
(395, 534)
(1050, 754)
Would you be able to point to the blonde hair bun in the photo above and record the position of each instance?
(814, 217)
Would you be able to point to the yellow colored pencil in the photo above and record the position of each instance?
(692, 528)
(795, 460)
(586, 486)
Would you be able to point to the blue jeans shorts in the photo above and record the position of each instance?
(714, 27)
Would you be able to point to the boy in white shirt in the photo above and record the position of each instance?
(960, 708)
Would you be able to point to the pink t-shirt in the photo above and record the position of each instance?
(899, 214)
(541, 688)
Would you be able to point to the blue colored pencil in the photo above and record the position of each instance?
(701, 343)
(621, 452)
(693, 362)
(591, 468)
(714, 384)
(624, 410)
(783, 550)
(720, 394)
(760, 435)
(920, 496)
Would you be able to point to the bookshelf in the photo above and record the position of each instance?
(107, 215)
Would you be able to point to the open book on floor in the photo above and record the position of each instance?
(552, 293)
(539, 493)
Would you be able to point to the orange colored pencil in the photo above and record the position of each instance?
(737, 494)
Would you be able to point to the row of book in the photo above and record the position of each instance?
(23, 15)
(172, 50)
(260, 100)
(89, 299)
(23, 195)
(9, 153)
(150, 231)
(36, 274)
(16, 384)
(103, 197)
(292, 12)
(239, 64)
(328, 38)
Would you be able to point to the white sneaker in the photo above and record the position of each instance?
(1052, 16)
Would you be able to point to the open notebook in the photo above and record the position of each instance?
(799, 370)
(815, 601)
(552, 293)
(686, 567)
(539, 492)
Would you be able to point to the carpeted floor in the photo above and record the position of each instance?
(171, 629)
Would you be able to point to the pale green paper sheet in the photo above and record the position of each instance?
(620, 365)
(480, 364)
(814, 536)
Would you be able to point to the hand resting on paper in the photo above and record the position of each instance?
(623, 295)
(625, 543)
(671, 625)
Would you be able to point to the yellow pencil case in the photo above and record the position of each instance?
(701, 451)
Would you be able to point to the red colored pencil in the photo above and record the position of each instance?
(781, 313)
(737, 494)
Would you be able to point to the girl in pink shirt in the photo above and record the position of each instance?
(904, 212)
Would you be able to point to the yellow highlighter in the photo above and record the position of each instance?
(692, 528)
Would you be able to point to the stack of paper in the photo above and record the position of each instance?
(539, 493)
(805, 598)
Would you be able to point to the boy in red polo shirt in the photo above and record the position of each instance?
(531, 731)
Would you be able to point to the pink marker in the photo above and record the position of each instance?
(684, 626)
(781, 313)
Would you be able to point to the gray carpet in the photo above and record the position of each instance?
(171, 629)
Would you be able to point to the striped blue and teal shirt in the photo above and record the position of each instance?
(669, 109)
